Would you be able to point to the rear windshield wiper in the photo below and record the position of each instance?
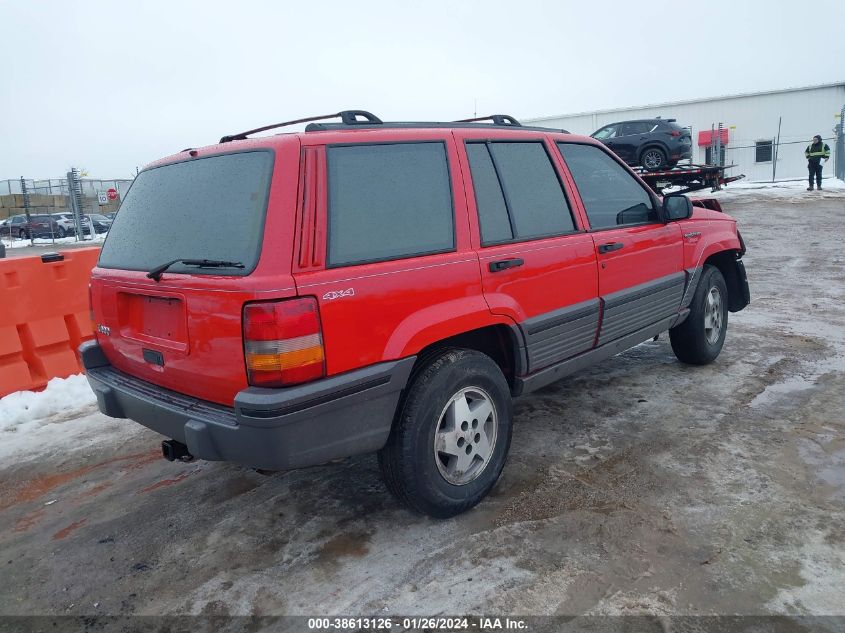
(156, 272)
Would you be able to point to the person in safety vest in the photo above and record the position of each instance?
(814, 154)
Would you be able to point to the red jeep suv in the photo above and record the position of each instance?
(367, 286)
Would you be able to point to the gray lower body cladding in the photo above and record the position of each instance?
(635, 308)
(561, 334)
(274, 429)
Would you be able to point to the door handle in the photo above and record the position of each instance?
(610, 246)
(505, 263)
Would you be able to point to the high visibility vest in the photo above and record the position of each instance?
(817, 150)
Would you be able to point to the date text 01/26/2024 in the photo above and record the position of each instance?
(412, 624)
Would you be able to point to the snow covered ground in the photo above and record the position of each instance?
(21, 410)
(783, 191)
(99, 238)
(58, 420)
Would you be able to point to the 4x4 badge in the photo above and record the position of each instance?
(337, 294)
(104, 329)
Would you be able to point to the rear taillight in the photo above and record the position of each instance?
(674, 133)
(283, 342)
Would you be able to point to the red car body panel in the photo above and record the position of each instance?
(200, 332)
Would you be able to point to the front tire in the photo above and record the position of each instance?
(699, 339)
(653, 158)
(451, 436)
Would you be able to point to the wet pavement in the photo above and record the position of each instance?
(638, 486)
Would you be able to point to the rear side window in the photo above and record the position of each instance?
(611, 196)
(517, 192)
(208, 208)
(388, 201)
(638, 127)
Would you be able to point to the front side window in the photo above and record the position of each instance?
(612, 197)
(518, 194)
(606, 133)
(388, 201)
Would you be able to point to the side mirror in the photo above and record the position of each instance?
(676, 206)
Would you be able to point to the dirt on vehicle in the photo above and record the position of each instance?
(640, 485)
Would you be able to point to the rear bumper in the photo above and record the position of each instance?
(274, 429)
(681, 153)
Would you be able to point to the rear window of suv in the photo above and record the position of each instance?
(207, 208)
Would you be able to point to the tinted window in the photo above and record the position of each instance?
(531, 190)
(492, 210)
(610, 194)
(606, 132)
(763, 152)
(209, 208)
(388, 201)
(638, 127)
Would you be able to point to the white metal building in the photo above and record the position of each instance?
(752, 126)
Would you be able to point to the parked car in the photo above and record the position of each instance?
(362, 286)
(101, 223)
(650, 143)
(67, 224)
(39, 225)
(110, 215)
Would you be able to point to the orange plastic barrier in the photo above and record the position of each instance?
(44, 318)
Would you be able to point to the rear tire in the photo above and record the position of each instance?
(62, 232)
(699, 339)
(440, 460)
(22, 234)
(653, 158)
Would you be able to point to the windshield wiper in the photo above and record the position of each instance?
(155, 273)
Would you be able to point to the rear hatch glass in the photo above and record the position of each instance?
(205, 208)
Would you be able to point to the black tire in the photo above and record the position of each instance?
(62, 232)
(693, 341)
(653, 159)
(22, 234)
(408, 461)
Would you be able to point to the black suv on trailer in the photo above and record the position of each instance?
(652, 143)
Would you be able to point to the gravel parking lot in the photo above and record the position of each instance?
(638, 486)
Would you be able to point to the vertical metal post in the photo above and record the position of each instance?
(775, 152)
(839, 152)
(713, 144)
(26, 207)
(719, 146)
(75, 193)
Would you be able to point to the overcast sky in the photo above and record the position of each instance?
(109, 86)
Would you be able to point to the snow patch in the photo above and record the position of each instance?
(22, 410)
(784, 190)
(823, 572)
(15, 242)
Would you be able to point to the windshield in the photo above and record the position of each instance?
(208, 208)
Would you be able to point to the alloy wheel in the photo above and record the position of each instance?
(465, 436)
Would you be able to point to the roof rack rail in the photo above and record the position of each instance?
(498, 119)
(349, 117)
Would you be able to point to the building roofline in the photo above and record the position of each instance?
(667, 104)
